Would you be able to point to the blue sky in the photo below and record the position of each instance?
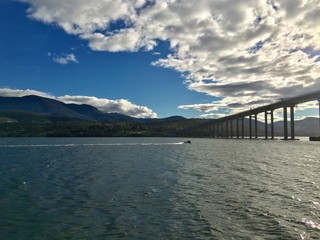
(25, 45)
(159, 58)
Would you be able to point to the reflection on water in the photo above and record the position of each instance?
(158, 188)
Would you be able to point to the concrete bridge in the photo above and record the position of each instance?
(223, 127)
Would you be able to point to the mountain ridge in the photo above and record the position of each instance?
(39, 116)
(57, 109)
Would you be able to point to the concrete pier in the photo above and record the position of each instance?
(256, 126)
(231, 128)
(250, 126)
(285, 123)
(266, 124)
(227, 129)
(272, 125)
(292, 122)
(284, 103)
(242, 127)
(237, 127)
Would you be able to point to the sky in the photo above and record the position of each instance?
(159, 58)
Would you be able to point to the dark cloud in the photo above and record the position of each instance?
(234, 89)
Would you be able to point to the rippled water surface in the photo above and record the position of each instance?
(158, 188)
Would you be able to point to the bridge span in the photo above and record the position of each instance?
(223, 127)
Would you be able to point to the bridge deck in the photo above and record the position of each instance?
(280, 104)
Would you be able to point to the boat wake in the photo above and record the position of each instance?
(87, 144)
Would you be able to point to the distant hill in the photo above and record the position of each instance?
(33, 107)
(39, 116)
(47, 107)
(305, 127)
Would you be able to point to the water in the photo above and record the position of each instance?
(158, 188)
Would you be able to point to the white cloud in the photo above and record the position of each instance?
(242, 51)
(9, 92)
(213, 115)
(105, 105)
(64, 58)
(122, 106)
(308, 105)
(205, 107)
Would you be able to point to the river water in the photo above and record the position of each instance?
(158, 188)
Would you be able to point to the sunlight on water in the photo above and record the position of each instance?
(158, 188)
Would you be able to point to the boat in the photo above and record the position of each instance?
(317, 138)
(187, 142)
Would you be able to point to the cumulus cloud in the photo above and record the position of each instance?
(9, 92)
(205, 107)
(242, 51)
(212, 115)
(64, 58)
(105, 105)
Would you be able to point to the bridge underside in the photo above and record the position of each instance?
(224, 127)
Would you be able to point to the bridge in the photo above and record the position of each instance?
(223, 127)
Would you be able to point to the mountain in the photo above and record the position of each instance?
(39, 116)
(34, 116)
(29, 107)
(47, 107)
(306, 127)
(309, 126)
(162, 120)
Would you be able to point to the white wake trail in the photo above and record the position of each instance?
(86, 144)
